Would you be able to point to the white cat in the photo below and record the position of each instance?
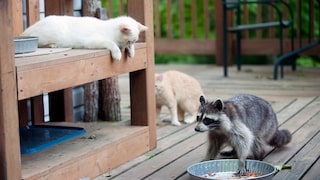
(87, 32)
(180, 93)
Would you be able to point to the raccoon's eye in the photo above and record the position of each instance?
(207, 121)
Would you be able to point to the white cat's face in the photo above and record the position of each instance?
(130, 30)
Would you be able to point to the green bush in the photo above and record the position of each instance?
(184, 59)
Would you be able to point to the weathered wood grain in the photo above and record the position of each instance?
(10, 158)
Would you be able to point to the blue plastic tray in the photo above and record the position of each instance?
(38, 137)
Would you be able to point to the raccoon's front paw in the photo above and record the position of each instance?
(242, 167)
(241, 172)
(116, 54)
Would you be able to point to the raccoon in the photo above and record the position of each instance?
(245, 122)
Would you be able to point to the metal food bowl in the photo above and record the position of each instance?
(25, 44)
(198, 170)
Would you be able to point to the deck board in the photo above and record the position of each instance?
(164, 158)
(295, 99)
(313, 172)
(303, 160)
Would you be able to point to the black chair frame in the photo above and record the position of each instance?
(280, 23)
(293, 54)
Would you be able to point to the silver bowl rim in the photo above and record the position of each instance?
(25, 38)
(225, 160)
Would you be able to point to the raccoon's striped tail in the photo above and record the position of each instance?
(280, 138)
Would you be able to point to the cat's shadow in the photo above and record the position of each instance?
(164, 120)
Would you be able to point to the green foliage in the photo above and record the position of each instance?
(115, 4)
(184, 59)
(306, 61)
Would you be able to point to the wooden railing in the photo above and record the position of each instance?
(195, 27)
(184, 27)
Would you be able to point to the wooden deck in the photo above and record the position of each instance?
(296, 99)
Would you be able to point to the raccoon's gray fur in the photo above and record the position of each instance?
(245, 122)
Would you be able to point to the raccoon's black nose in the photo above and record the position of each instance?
(198, 129)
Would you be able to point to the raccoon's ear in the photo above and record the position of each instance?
(218, 104)
(202, 100)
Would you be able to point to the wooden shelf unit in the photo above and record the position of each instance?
(28, 77)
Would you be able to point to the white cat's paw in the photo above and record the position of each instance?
(130, 52)
(116, 55)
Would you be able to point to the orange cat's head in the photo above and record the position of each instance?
(158, 84)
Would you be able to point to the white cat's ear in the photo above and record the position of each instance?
(125, 29)
(142, 27)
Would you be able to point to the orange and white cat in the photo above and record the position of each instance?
(87, 32)
(180, 93)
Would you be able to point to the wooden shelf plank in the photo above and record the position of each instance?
(41, 74)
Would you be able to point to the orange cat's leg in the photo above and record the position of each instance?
(192, 110)
(158, 110)
(174, 114)
(180, 114)
(190, 119)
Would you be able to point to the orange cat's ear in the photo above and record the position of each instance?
(159, 77)
(142, 27)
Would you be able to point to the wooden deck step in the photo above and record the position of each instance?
(103, 147)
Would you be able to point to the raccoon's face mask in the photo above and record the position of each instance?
(208, 115)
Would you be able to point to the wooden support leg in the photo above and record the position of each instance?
(10, 158)
(23, 113)
(37, 109)
(68, 105)
(142, 82)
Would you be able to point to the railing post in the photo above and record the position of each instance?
(219, 29)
